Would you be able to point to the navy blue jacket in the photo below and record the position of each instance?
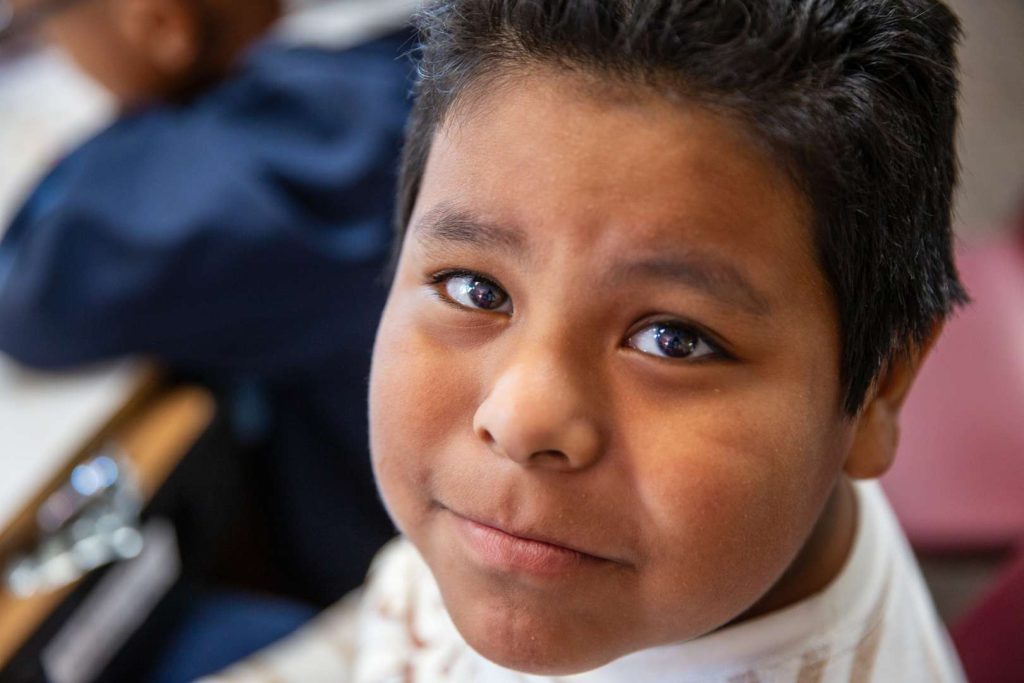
(239, 238)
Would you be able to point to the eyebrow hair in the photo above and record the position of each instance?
(448, 223)
(700, 271)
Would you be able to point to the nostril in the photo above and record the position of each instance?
(550, 457)
(486, 436)
(547, 434)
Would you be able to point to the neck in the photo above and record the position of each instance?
(821, 558)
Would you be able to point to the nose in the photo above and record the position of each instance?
(537, 415)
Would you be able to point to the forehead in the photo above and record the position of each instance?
(619, 172)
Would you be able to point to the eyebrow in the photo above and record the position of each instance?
(446, 223)
(704, 272)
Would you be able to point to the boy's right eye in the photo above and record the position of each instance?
(473, 291)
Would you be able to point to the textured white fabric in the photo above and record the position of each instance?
(874, 622)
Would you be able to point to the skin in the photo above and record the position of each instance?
(156, 50)
(702, 490)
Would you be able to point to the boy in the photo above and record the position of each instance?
(668, 271)
(232, 223)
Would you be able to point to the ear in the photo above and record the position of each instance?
(168, 32)
(878, 426)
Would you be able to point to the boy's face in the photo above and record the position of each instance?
(607, 331)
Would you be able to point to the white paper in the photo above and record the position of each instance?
(46, 418)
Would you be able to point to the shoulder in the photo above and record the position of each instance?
(298, 139)
(907, 640)
(392, 628)
(404, 628)
(873, 623)
(876, 620)
(328, 648)
(365, 83)
(401, 601)
(279, 92)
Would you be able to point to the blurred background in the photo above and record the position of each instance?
(230, 453)
(190, 276)
(992, 130)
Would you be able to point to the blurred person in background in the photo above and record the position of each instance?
(232, 222)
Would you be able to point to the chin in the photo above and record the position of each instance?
(531, 644)
(537, 658)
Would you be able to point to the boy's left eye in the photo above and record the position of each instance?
(474, 291)
(672, 340)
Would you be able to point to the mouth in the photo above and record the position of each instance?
(507, 550)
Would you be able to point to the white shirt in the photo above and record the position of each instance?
(875, 622)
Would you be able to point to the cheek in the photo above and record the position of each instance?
(418, 403)
(730, 492)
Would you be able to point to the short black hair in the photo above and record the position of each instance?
(856, 100)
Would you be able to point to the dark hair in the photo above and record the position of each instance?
(856, 99)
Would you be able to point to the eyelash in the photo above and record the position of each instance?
(441, 278)
(716, 349)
